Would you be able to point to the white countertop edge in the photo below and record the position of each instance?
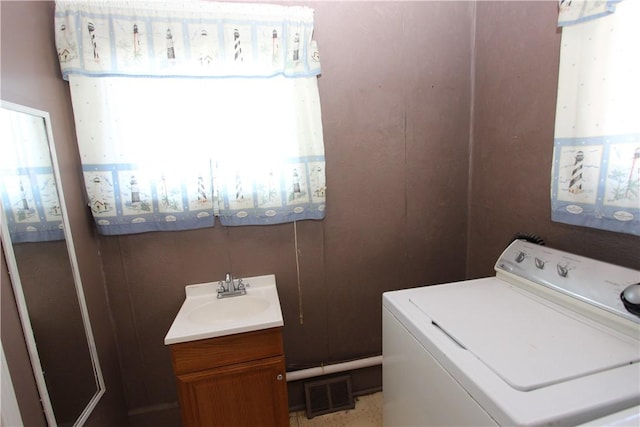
(221, 333)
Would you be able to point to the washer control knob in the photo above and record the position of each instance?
(630, 297)
(563, 270)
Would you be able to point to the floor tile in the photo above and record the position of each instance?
(367, 413)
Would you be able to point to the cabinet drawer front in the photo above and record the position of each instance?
(221, 351)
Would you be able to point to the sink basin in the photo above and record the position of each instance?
(203, 315)
(228, 309)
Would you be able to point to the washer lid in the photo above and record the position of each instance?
(527, 341)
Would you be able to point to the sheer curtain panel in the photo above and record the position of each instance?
(28, 191)
(188, 110)
(596, 160)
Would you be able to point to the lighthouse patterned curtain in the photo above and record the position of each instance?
(188, 110)
(28, 192)
(596, 160)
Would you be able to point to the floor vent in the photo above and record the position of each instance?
(328, 395)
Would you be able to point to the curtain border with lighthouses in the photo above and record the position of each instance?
(595, 180)
(28, 191)
(190, 110)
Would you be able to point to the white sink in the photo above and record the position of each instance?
(203, 315)
(228, 309)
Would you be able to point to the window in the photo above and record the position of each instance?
(190, 110)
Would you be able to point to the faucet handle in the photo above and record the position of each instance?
(220, 287)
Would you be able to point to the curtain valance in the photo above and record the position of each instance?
(576, 11)
(197, 39)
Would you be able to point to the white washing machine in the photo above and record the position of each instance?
(547, 341)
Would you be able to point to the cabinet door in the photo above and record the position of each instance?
(248, 394)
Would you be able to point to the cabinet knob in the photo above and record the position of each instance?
(280, 377)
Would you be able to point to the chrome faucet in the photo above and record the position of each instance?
(228, 281)
(230, 287)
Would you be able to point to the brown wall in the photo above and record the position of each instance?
(31, 77)
(46, 279)
(517, 53)
(396, 91)
(16, 353)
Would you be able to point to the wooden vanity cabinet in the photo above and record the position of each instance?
(236, 380)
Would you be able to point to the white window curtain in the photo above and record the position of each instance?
(596, 163)
(28, 186)
(188, 110)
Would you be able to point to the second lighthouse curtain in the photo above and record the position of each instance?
(596, 160)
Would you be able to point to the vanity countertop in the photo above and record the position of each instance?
(203, 315)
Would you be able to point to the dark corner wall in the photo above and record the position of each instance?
(30, 76)
(438, 121)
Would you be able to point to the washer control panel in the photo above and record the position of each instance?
(596, 282)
